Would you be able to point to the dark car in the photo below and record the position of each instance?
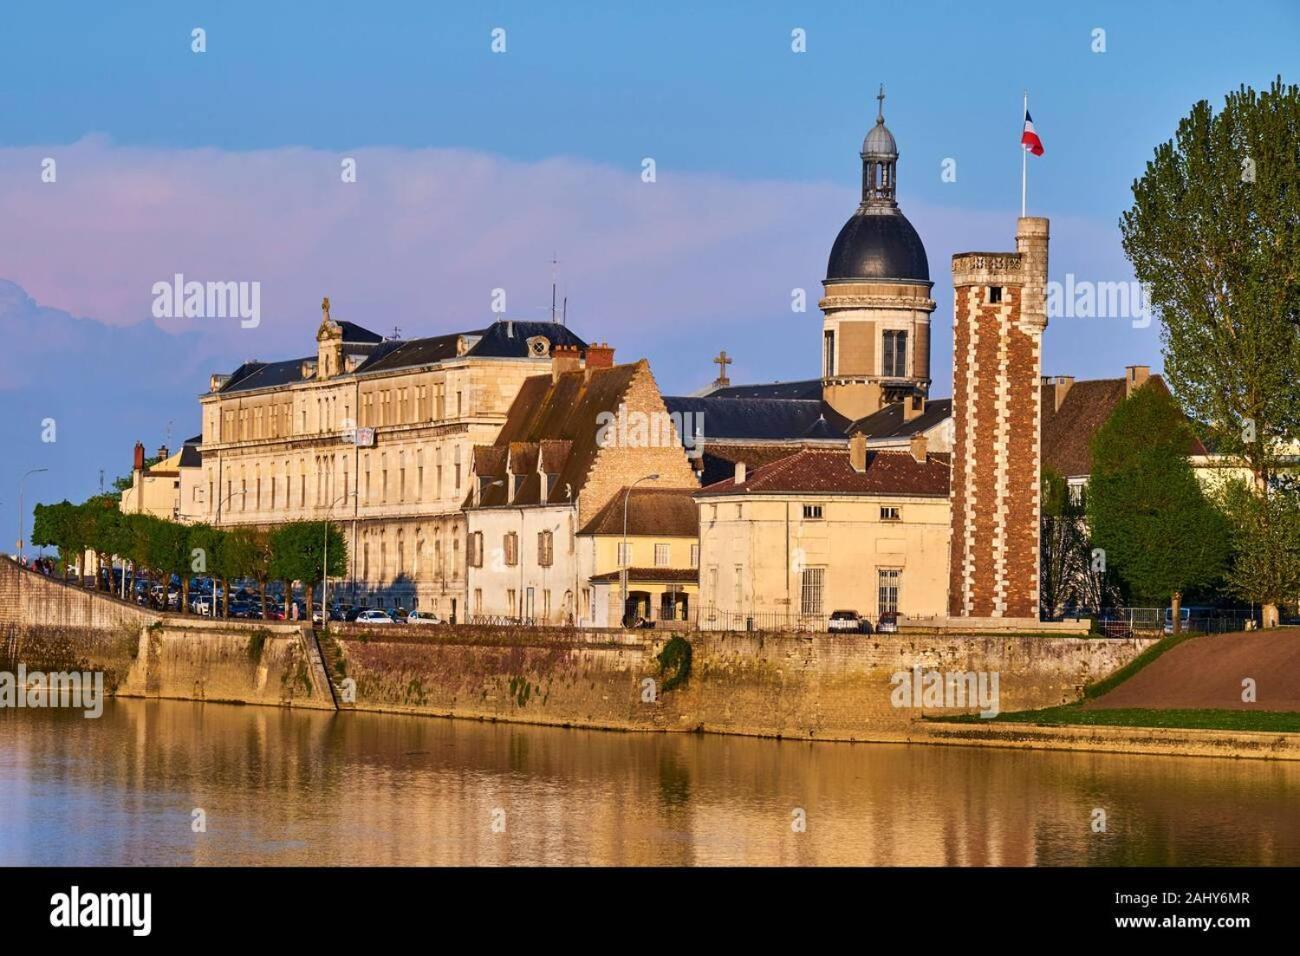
(850, 621)
(888, 623)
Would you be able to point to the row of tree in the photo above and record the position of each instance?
(290, 552)
(1214, 236)
(1148, 529)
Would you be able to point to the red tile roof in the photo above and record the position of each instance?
(827, 471)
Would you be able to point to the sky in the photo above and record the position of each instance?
(476, 168)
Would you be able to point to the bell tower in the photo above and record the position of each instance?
(876, 307)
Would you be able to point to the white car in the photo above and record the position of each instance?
(373, 617)
(423, 617)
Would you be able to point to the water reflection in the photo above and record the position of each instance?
(297, 788)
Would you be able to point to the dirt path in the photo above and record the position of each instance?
(1207, 672)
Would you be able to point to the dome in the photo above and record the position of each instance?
(880, 142)
(878, 243)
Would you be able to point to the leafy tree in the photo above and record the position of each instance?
(298, 554)
(1156, 528)
(238, 559)
(54, 526)
(1265, 540)
(1068, 576)
(1213, 235)
(206, 544)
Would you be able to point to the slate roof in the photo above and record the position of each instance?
(1067, 433)
(758, 419)
(888, 422)
(503, 339)
(650, 510)
(809, 390)
(559, 411)
(828, 471)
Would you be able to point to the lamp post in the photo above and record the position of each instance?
(625, 556)
(325, 564)
(21, 523)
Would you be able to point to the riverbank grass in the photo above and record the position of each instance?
(1069, 715)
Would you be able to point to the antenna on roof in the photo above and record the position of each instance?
(397, 333)
(554, 262)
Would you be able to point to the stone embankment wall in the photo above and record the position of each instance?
(807, 686)
(825, 687)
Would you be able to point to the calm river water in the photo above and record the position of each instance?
(294, 788)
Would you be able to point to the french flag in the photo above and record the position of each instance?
(1029, 139)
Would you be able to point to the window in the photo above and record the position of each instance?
(829, 348)
(695, 555)
(662, 553)
(458, 468)
(810, 591)
(737, 582)
(890, 513)
(510, 543)
(510, 601)
(713, 585)
(478, 600)
(546, 605)
(890, 579)
(624, 554)
(812, 512)
(995, 294)
(894, 356)
(474, 549)
(545, 548)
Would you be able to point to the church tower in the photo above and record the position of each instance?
(329, 345)
(877, 305)
(999, 315)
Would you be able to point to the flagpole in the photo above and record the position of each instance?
(1024, 159)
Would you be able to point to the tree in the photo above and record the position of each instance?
(1155, 527)
(1213, 235)
(237, 559)
(206, 544)
(168, 553)
(1069, 577)
(298, 554)
(1265, 540)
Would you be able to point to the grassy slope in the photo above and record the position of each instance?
(1074, 715)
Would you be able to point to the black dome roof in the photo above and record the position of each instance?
(878, 243)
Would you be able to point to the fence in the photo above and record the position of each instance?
(1154, 622)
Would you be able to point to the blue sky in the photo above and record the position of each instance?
(477, 167)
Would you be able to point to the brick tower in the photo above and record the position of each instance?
(999, 314)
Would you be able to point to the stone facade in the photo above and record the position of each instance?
(998, 323)
(290, 451)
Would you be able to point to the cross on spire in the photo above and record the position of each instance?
(722, 361)
(880, 108)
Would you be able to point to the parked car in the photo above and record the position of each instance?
(373, 616)
(850, 621)
(888, 623)
(398, 614)
(423, 617)
(353, 613)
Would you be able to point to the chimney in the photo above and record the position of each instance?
(217, 381)
(564, 358)
(920, 445)
(1135, 376)
(858, 452)
(138, 461)
(162, 452)
(913, 407)
(600, 356)
(1060, 388)
(740, 472)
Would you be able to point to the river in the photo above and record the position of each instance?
(162, 782)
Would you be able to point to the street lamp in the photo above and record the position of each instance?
(220, 504)
(34, 471)
(625, 556)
